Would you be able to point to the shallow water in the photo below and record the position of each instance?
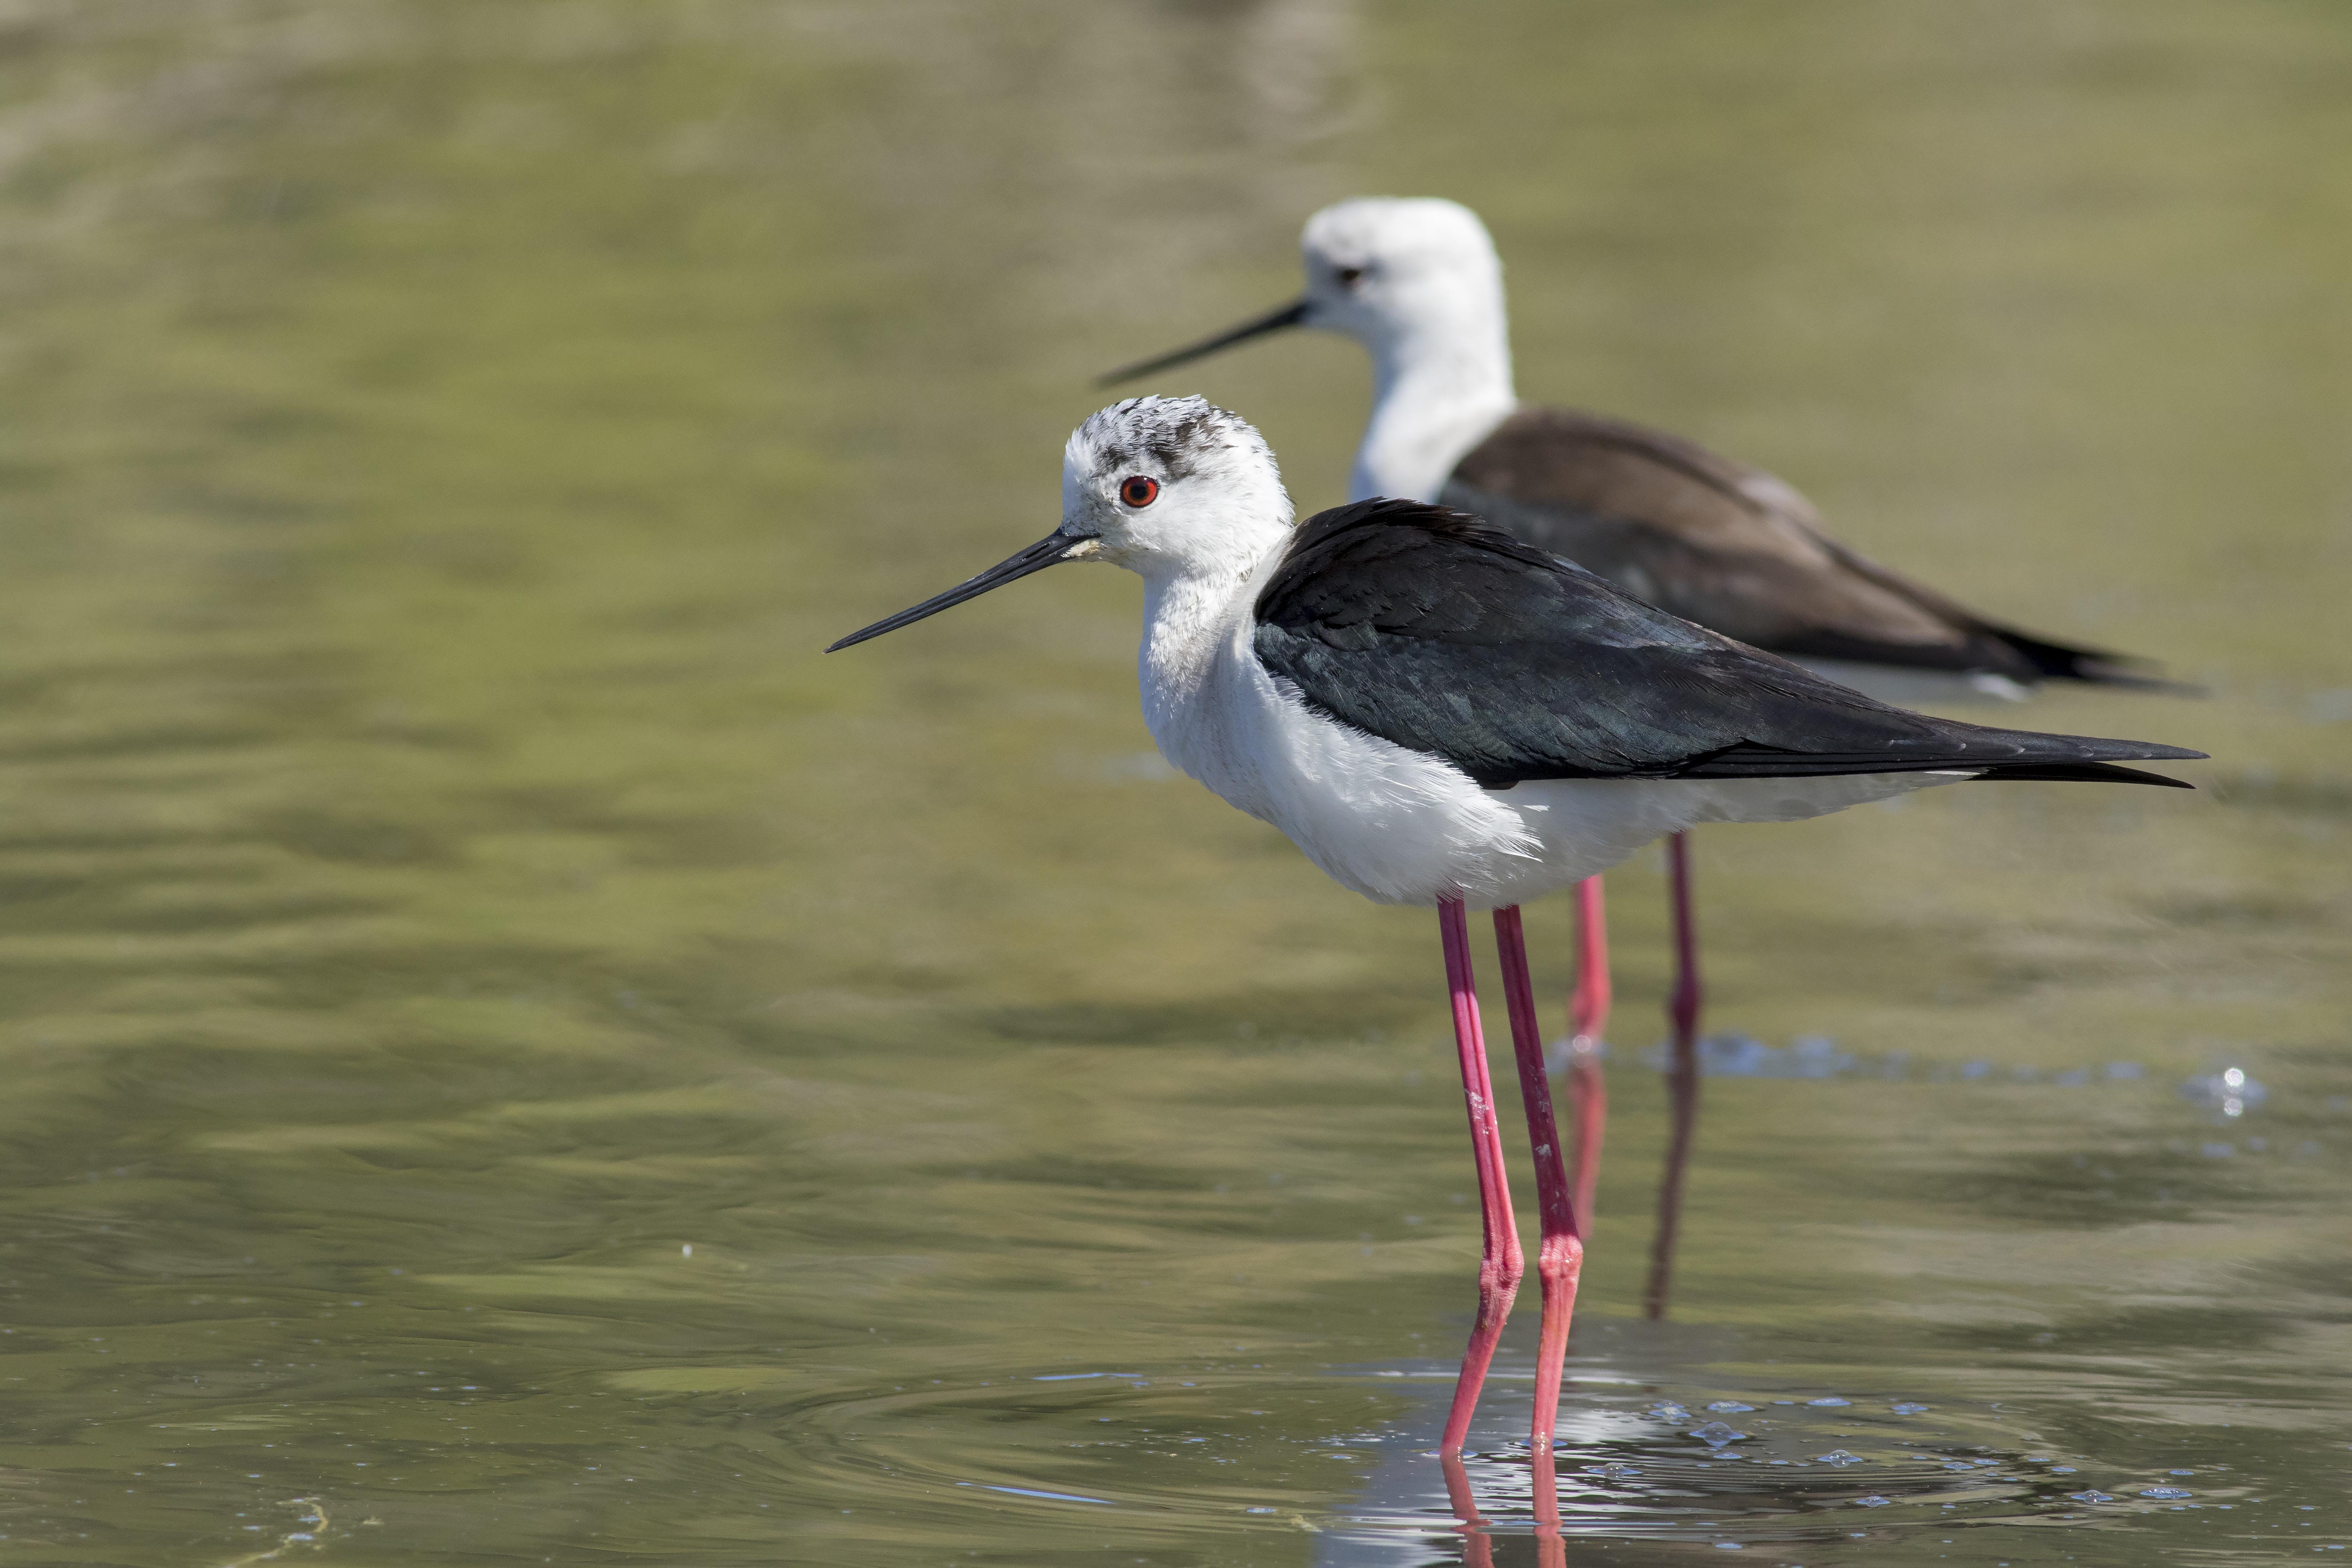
(515, 1058)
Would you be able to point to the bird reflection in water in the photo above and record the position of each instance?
(1477, 1545)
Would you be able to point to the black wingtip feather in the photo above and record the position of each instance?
(2079, 773)
(2093, 667)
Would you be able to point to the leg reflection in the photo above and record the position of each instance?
(1477, 1551)
(1551, 1547)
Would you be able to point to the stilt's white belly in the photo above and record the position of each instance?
(1587, 826)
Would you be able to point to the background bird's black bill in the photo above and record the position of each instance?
(1291, 315)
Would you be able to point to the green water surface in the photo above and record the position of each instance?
(512, 1056)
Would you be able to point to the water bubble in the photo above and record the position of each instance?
(1745, 1056)
(1829, 1400)
(2061, 1469)
(1714, 1435)
(1907, 1408)
(1837, 1456)
(2093, 1496)
(2165, 1493)
(1874, 1500)
(1667, 1410)
(2232, 1091)
(1732, 1405)
(1261, 1511)
(2183, 1472)
(1566, 1052)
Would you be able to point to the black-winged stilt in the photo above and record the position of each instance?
(1733, 548)
(1439, 714)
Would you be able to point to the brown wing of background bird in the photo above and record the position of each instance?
(1734, 549)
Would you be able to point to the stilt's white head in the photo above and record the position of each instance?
(1388, 271)
(1172, 486)
(1410, 279)
(1169, 487)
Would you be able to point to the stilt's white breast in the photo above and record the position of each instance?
(1397, 825)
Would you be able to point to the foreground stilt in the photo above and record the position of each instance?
(1682, 1076)
(1369, 680)
(1501, 1263)
(1560, 1256)
(1588, 1017)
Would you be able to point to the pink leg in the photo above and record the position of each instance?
(1588, 1016)
(1682, 1078)
(1560, 1255)
(1501, 1265)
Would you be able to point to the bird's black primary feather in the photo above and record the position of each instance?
(1430, 628)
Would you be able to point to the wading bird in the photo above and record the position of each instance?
(1438, 714)
(1417, 282)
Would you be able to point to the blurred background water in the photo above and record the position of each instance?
(514, 1057)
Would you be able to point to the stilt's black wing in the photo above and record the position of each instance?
(1430, 628)
(1735, 550)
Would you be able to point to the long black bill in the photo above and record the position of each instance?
(1291, 315)
(1050, 551)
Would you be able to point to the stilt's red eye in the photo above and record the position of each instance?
(1137, 490)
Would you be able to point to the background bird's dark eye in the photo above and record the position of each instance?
(1139, 490)
(1349, 277)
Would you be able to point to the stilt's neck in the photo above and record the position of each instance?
(1186, 617)
(1438, 387)
(1193, 622)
